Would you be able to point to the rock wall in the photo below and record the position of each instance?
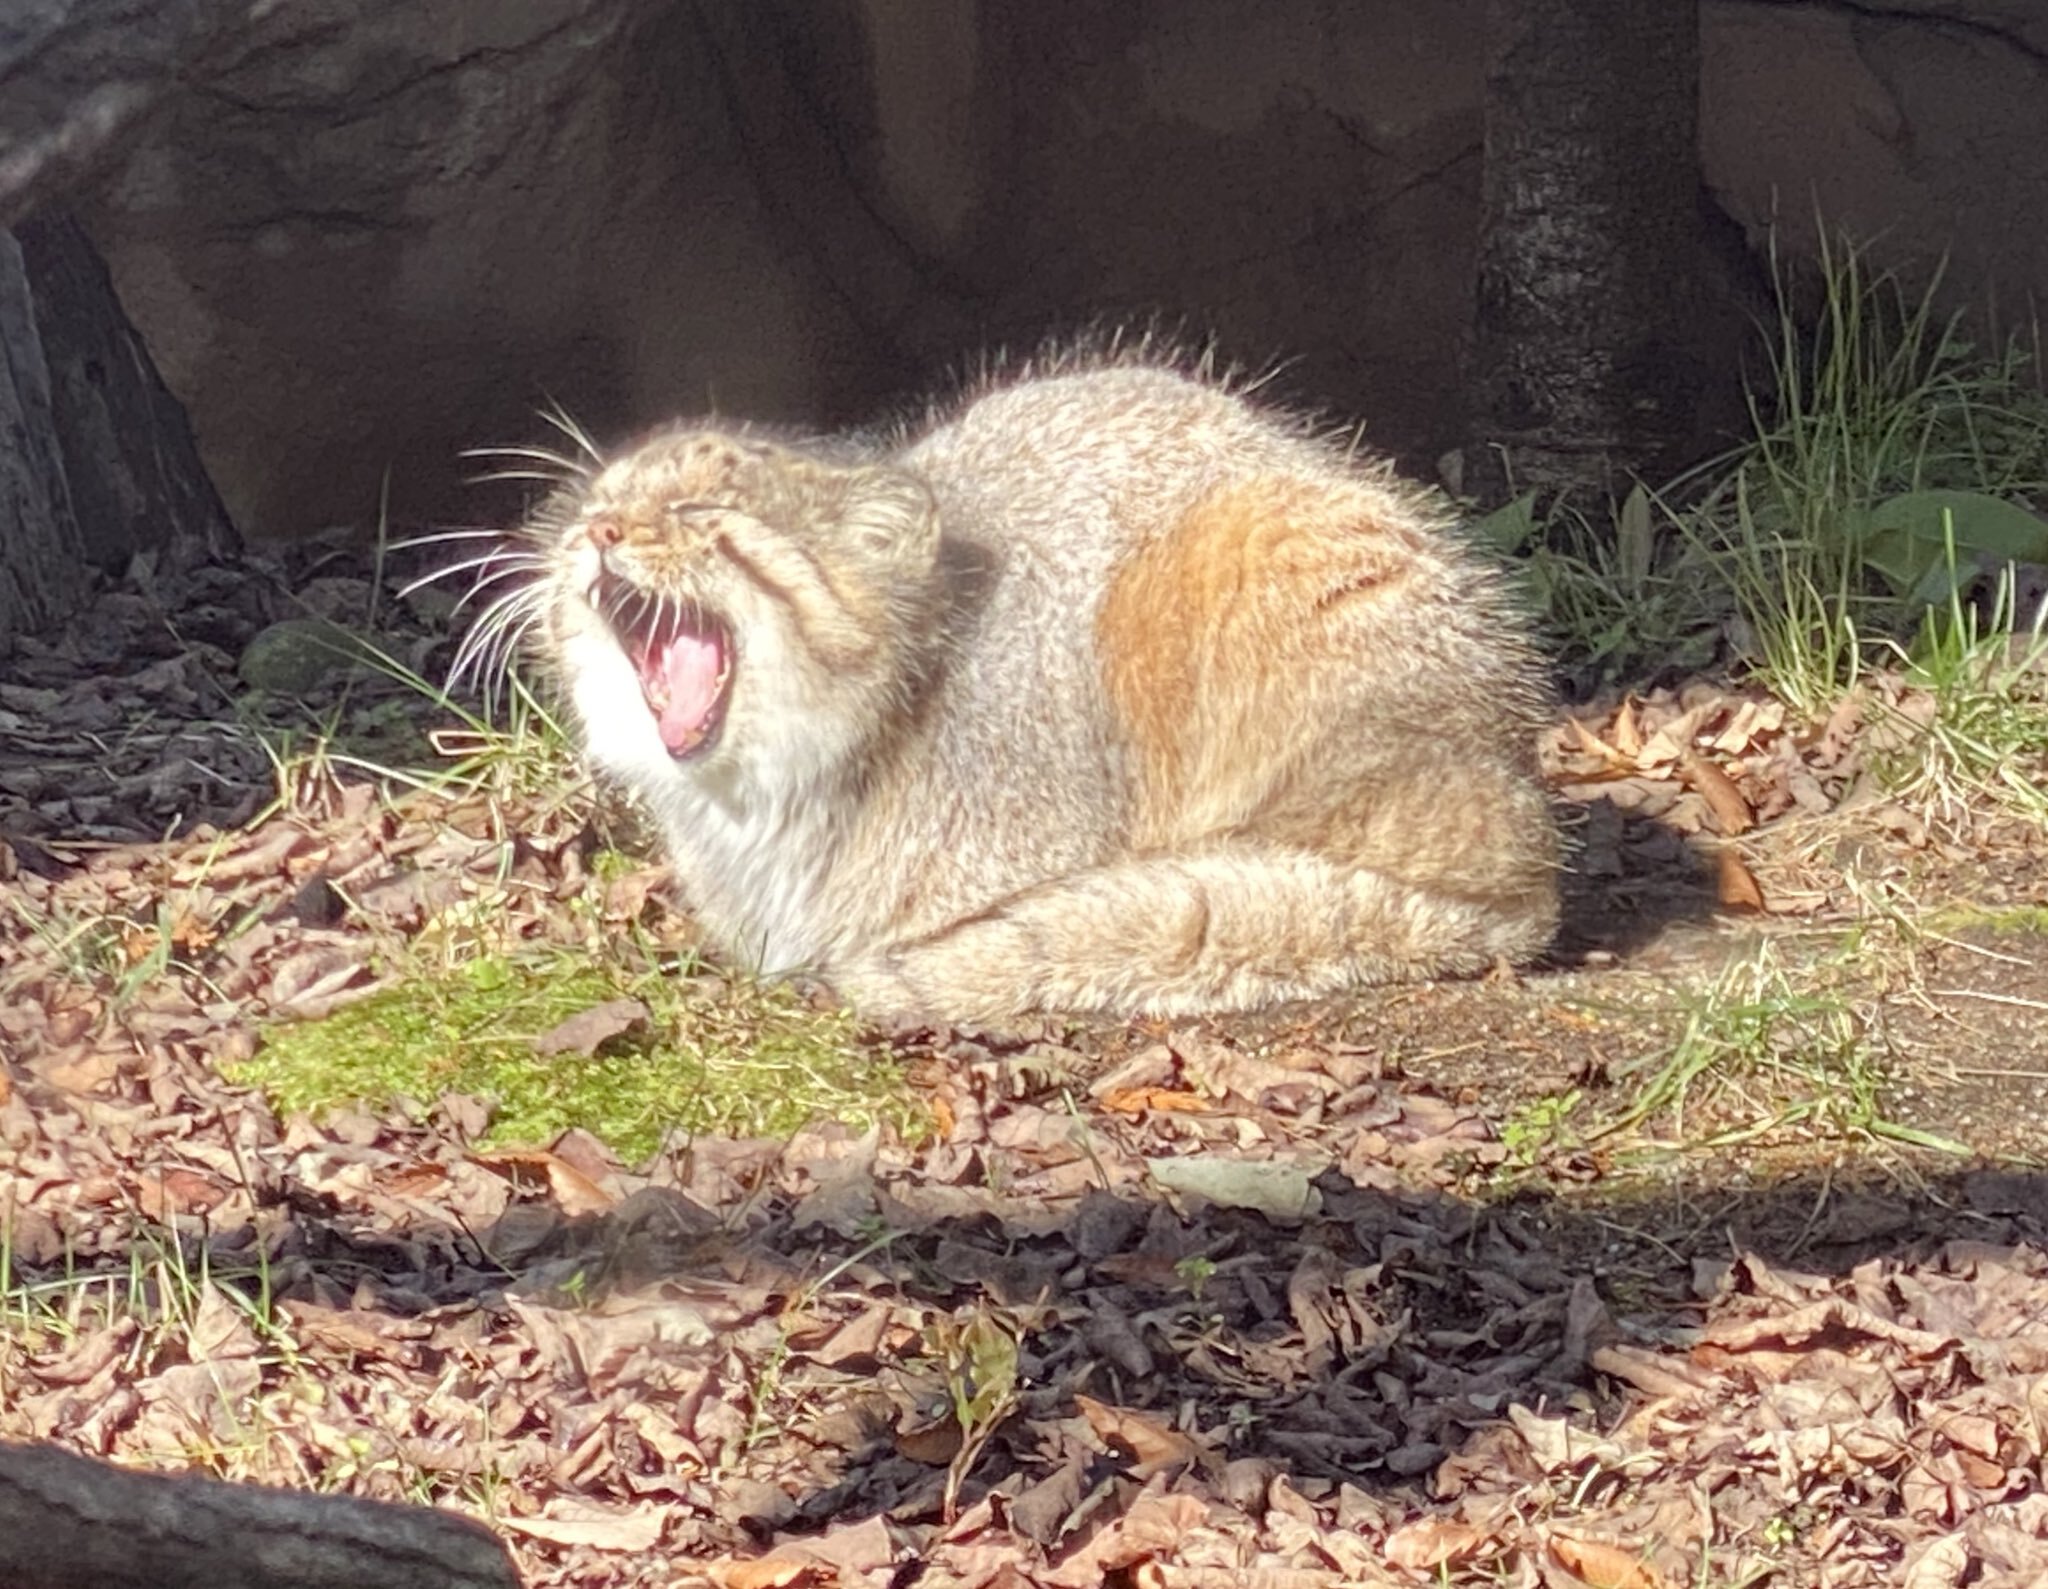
(384, 233)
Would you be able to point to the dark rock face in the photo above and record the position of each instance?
(363, 248)
(79, 78)
(361, 236)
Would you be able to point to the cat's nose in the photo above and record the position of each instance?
(604, 533)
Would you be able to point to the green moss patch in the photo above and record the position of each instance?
(2005, 920)
(716, 1054)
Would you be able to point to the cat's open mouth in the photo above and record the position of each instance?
(684, 658)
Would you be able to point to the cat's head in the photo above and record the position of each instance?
(716, 600)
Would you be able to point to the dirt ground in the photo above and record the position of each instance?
(1710, 1254)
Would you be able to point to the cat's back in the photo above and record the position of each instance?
(1045, 486)
(1074, 467)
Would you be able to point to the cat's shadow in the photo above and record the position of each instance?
(1628, 882)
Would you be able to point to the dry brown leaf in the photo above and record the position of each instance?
(163, 1197)
(361, 1334)
(69, 1023)
(1279, 1189)
(1156, 1525)
(566, 1522)
(1732, 814)
(1938, 1564)
(1558, 1444)
(625, 898)
(1622, 764)
(1815, 1319)
(1651, 1372)
(856, 1548)
(1982, 1473)
(84, 1073)
(1749, 725)
(220, 1330)
(573, 1191)
(305, 984)
(844, 1555)
(420, 1179)
(1838, 736)
(1972, 1432)
(1735, 885)
(87, 1356)
(188, 932)
(1153, 1446)
(1602, 1565)
(1152, 1066)
(1626, 731)
(1148, 1100)
(1668, 743)
(266, 856)
(862, 1338)
(784, 1567)
(934, 1443)
(1432, 1542)
(588, 1030)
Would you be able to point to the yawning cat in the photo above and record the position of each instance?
(1108, 691)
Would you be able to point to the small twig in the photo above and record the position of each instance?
(2012, 999)
(1813, 1218)
(1990, 1070)
(1974, 948)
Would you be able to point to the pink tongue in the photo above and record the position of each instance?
(681, 676)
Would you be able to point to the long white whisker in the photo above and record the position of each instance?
(479, 666)
(547, 455)
(439, 537)
(541, 476)
(531, 591)
(499, 558)
(511, 641)
(487, 648)
(558, 417)
(501, 565)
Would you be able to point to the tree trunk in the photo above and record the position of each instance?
(100, 462)
(70, 1523)
(1584, 363)
(129, 455)
(105, 466)
(42, 560)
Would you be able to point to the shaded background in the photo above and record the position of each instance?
(372, 236)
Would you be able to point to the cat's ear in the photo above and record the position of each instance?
(890, 514)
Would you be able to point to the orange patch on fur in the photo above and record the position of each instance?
(1211, 637)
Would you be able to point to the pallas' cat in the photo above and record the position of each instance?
(1108, 690)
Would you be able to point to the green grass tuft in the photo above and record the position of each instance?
(1890, 464)
(1768, 1049)
(1881, 419)
(1987, 737)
